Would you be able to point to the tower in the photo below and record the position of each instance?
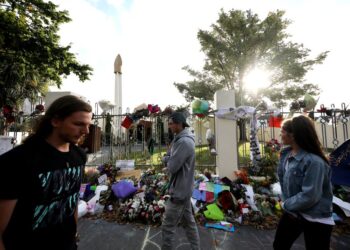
(118, 85)
(118, 110)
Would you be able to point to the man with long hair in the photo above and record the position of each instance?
(40, 180)
(305, 179)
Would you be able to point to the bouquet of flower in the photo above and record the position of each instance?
(272, 146)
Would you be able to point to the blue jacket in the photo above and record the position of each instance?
(306, 185)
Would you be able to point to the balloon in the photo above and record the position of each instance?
(196, 104)
(310, 102)
(204, 107)
(200, 107)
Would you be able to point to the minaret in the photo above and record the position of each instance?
(118, 110)
(118, 85)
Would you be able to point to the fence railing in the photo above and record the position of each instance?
(145, 141)
(148, 137)
(332, 127)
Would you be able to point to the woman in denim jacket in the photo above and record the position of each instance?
(305, 179)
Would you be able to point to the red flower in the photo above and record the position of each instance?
(7, 110)
(242, 175)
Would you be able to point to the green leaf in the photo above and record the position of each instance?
(31, 56)
(240, 41)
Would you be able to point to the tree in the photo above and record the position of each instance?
(239, 42)
(31, 57)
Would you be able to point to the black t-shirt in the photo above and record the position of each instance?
(45, 182)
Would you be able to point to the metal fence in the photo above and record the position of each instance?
(145, 141)
(148, 137)
(332, 126)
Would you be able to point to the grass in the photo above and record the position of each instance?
(244, 152)
(203, 156)
(204, 160)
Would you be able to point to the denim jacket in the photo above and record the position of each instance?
(306, 185)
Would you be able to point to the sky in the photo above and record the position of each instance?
(156, 38)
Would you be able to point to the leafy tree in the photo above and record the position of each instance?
(31, 57)
(239, 42)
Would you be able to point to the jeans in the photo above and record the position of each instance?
(316, 235)
(176, 212)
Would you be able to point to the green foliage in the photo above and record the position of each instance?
(270, 159)
(203, 85)
(31, 57)
(239, 42)
(204, 160)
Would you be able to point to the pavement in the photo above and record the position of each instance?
(103, 235)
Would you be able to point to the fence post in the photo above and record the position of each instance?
(226, 136)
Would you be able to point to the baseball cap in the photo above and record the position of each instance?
(178, 117)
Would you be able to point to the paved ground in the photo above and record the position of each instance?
(102, 235)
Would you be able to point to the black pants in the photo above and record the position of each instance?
(316, 235)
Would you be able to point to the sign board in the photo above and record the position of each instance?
(125, 165)
(128, 174)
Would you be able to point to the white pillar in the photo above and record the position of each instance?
(118, 85)
(118, 93)
(226, 136)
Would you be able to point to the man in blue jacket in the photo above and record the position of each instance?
(180, 162)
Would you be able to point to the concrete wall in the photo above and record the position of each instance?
(51, 96)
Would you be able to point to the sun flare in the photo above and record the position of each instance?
(257, 79)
